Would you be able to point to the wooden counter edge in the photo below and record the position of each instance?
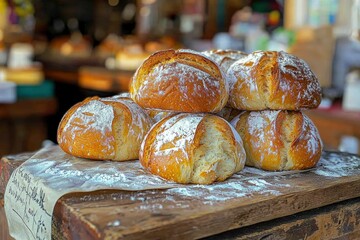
(7, 165)
(317, 221)
(67, 218)
(332, 221)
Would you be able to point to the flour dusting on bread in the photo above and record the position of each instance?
(181, 76)
(193, 148)
(179, 131)
(93, 116)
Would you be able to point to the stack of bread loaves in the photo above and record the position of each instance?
(192, 146)
(182, 91)
(273, 87)
(188, 145)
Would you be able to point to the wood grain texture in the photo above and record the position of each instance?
(7, 165)
(336, 221)
(161, 214)
(156, 217)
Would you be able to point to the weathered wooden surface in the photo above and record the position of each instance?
(6, 168)
(8, 164)
(161, 214)
(336, 221)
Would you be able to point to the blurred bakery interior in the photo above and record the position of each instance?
(55, 53)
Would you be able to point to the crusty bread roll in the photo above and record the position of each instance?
(279, 140)
(224, 57)
(193, 148)
(103, 129)
(272, 80)
(182, 81)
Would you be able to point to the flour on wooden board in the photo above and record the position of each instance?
(55, 174)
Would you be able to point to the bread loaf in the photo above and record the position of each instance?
(193, 148)
(279, 140)
(103, 129)
(182, 81)
(272, 80)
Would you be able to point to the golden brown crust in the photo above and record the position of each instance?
(272, 80)
(192, 148)
(103, 129)
(182, 81)
(279, 140)
(160, 153)
(69, 144)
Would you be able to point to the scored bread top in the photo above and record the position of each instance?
(279, 140)
(192, 148)
(140, 121)
(182, 81)
(93, 120)
(272, 80)
(103, 129)
(172, 136)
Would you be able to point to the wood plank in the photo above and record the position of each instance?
(158, 217)
(163, 213)
(7, 165)
(337, 221)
